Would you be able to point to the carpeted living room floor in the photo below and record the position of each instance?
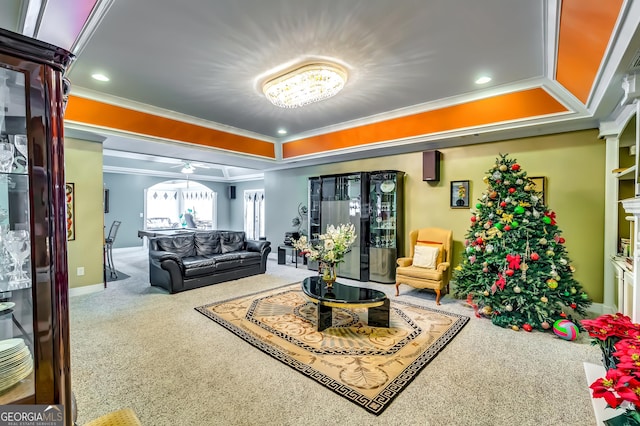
(133, 345)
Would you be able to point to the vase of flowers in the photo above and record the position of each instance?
(619, 341)
(328, 273)
(329, 250)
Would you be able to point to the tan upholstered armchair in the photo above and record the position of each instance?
(433, 274)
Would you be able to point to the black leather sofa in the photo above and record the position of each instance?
(190, 260)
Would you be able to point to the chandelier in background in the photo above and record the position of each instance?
(306, 84)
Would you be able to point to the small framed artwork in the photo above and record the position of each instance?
(71, 220)
(539, 182)
(460, 194)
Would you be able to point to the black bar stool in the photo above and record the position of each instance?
(108, 247)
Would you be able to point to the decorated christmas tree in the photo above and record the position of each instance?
(515, 266)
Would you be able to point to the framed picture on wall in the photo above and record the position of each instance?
(459, 194)
(539, 182)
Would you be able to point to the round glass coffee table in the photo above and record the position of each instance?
(346, 297)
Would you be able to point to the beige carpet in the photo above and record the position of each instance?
(369, 366)
(133, 345)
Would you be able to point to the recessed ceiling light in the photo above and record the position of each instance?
(483, 80)
(282, 132)
(100, 77)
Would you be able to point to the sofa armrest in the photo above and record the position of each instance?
(160, 255)
(443, 266)
(404, 261)
(259, 246)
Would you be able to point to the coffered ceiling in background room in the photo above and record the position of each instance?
(185, 76)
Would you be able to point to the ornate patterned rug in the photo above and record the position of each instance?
(369, 366)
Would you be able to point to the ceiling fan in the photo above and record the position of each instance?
(189, 167)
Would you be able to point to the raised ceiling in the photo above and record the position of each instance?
(185, 76)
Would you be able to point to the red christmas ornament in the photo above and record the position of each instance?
(573, 306)
(515, 168)
(503, 204)
(507, 228)
(500, 282)
(535, 256)
(509, 272)
(473, 219)
(513, 261)
(479, 240)
(552, 217)
(561, 240)
(527, 327)
(512, 190)
(563, 315)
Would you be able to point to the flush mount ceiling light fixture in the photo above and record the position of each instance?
(308, 83)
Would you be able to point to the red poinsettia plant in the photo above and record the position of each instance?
(619, 340)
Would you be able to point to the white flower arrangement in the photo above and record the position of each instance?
(332, 246)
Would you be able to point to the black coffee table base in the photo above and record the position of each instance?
(378, 315)
(346, 297)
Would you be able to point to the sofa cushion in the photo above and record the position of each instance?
(232, 241)
(182, 245)
(250, 257)
(198, 265)
(227, 261)
(208, 243)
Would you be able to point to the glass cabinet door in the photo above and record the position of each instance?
(386, 224)
(383, 209)
(16, 269)
(314, 208)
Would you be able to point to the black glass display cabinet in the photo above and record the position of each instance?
(34, 319)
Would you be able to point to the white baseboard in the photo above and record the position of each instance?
(85, 289)
(601, 309)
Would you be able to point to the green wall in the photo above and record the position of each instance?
(573, 164)
(83, 166)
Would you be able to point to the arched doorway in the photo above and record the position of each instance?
(168, 205)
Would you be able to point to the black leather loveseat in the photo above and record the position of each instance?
(189, 260)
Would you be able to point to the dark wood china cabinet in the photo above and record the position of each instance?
(34, 320)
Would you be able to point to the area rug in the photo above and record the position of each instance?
(369, 366)
(120, 276)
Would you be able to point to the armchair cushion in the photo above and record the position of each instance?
(439, 246)
(425, 256)
(420, 273)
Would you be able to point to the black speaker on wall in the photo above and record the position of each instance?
(431, 166)
(232, 192)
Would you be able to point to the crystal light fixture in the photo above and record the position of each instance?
(306, 84)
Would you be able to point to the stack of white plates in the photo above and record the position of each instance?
(16, 362)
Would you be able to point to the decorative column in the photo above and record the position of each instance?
(631, 86)
(632, 206)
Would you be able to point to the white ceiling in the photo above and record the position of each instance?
(204, 59)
